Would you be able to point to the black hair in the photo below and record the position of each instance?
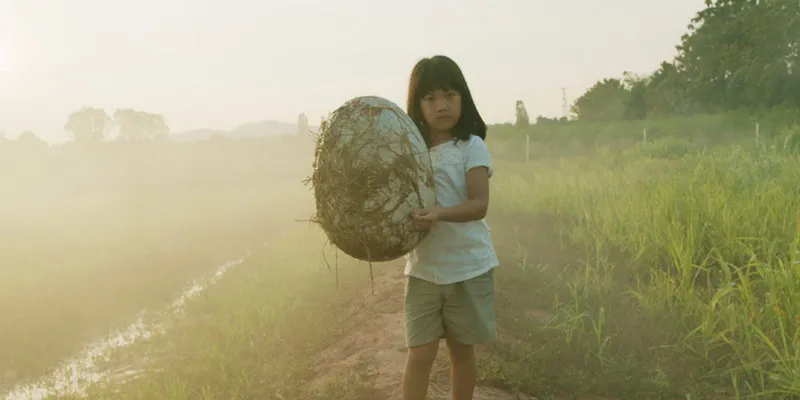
(441, 72)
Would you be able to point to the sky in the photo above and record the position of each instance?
(220, 64)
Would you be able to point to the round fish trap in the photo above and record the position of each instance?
(371, 169)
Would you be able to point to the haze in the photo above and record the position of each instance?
(217, 65)
(648, 247)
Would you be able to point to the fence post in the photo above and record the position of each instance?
(758, 132)
(527, 147)
(644, 135)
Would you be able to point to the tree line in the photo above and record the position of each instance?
(737, 55)
(91, 124)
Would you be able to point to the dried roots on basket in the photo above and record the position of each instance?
(371, 169)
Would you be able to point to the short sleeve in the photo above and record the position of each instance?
(477, 155)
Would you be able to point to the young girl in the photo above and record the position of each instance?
(450, 288)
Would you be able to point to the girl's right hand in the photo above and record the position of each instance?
(421, 224)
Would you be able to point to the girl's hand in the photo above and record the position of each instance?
(424, 220)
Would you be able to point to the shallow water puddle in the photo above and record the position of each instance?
(75, 375)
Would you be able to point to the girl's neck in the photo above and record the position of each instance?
(439, 137)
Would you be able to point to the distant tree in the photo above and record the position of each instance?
(742, 54)
(667, 93)
(542, 120)
(522, 115)
(88, 124)
(302, 125)
(636, 101)
(736, 55)
(31, 141)
(605, 101)
(139, 125)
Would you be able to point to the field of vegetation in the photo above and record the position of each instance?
(93, 235)
(657, 265)
(654, 271)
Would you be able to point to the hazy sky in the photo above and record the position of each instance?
(218, 64)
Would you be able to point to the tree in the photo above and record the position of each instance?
(737, 54)
(604, 101)
(667, 93)
(740, 54)
(88, 124)
(30, 141)
(302, 125)
(522, 115)
(139, 125)
(636, 100)
(542, 120)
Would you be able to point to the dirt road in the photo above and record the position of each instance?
(378, 343)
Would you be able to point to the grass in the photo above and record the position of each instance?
(256, 333)
(666, 275)
(659, 271)
(91, 238)
(578, 138)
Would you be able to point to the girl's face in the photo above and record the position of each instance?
(441, 109)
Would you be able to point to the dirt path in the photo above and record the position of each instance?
(378, 342)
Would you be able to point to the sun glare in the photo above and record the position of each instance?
(5, 57)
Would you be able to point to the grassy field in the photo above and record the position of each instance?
(663, 271)
(650, 276)
(258, 333)
(93, 236)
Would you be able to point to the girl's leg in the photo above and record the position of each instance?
(463, 370)
(417, 371)
(469, 320)
(424, 327)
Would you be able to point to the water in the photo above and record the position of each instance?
(75, 375)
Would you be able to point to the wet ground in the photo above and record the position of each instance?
(91, 366)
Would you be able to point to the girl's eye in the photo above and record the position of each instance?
(450, 95)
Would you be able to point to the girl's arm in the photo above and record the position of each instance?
(474, 209)
(478, 167)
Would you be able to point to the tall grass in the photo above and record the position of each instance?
(683, 277)
(658, 270)
(257, 333)
(702, 131)
(91, 236)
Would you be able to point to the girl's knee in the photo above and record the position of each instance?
(424, 355)
(460, 351)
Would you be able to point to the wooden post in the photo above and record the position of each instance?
(527, 147)
(758, 132)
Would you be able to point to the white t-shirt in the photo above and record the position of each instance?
(454, 251)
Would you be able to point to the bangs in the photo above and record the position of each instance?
(436, 74)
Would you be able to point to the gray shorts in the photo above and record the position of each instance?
(463, 311)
